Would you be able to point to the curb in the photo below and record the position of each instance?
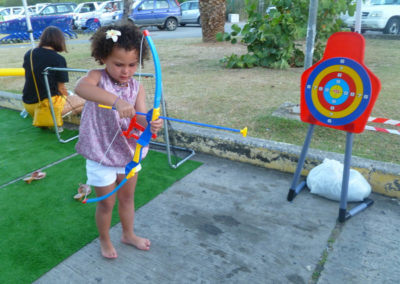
(11, 101)
(383, 177)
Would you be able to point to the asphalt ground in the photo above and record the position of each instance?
(229, 222)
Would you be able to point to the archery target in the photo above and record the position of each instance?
(338, 91)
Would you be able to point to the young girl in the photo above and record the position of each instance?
(100, 140)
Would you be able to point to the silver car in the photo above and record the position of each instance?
(190, 13)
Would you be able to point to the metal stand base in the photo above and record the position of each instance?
(167, 145)
(296, 187)
(346, 215)
(293, 192)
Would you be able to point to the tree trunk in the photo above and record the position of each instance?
(212, 15)
(126, 10)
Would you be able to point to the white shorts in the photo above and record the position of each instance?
(100, 175)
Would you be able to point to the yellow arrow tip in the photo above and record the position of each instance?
(244, 131)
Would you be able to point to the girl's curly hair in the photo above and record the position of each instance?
(130, 39)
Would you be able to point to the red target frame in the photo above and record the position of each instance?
(339, 91)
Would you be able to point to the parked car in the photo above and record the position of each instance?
(190, 13)
(105, 14)
(57, 9)
(83, 12)
(165, 14)
(56, 14)
(109, 12)
(378, 15)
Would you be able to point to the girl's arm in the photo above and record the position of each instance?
(87, 88)
(62, 89)
(140, 106)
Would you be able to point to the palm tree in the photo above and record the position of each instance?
(212, 16)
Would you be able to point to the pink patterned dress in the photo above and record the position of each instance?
(100, 129)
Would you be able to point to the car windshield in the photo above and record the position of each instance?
(40, 10)
(4, 12)
(385, 2)
(110, 6)
(135, 4)
(185, 6)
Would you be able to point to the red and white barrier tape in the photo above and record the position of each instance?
(383, 121)
(379, 129)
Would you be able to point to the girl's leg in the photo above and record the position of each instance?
(126, 209)
(103, 220)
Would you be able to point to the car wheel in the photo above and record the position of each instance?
(92, 25)
(199, 21)
(392, 27)
(171, 24)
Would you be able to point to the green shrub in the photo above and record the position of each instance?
(271, 39)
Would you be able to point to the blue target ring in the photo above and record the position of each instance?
(345, 91)
(354, 71)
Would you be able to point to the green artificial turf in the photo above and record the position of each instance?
(41, 224)
(25, 148)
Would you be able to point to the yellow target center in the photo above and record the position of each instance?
(336, 91)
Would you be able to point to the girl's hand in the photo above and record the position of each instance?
(156, 125)
(125, 109)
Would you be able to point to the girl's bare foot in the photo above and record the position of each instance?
(108, 250)
(138, 242)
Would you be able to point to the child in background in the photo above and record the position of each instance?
(100, 142)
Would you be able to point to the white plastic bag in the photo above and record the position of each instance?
(326, 180)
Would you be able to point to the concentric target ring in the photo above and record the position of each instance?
(338, 91)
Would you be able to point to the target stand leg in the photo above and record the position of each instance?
(295, 188)
(344, 215)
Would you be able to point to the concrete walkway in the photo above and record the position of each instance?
(229, 222)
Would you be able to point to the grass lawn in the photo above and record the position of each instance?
(196, 87)
(40, 223)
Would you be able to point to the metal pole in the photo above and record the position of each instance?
(28, 22)
(357, 25)
(261, 8)
(311, 32)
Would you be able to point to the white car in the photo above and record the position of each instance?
(109, 12)
(105, 13)
(378, 15)
(84, 12)
(190, 13)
